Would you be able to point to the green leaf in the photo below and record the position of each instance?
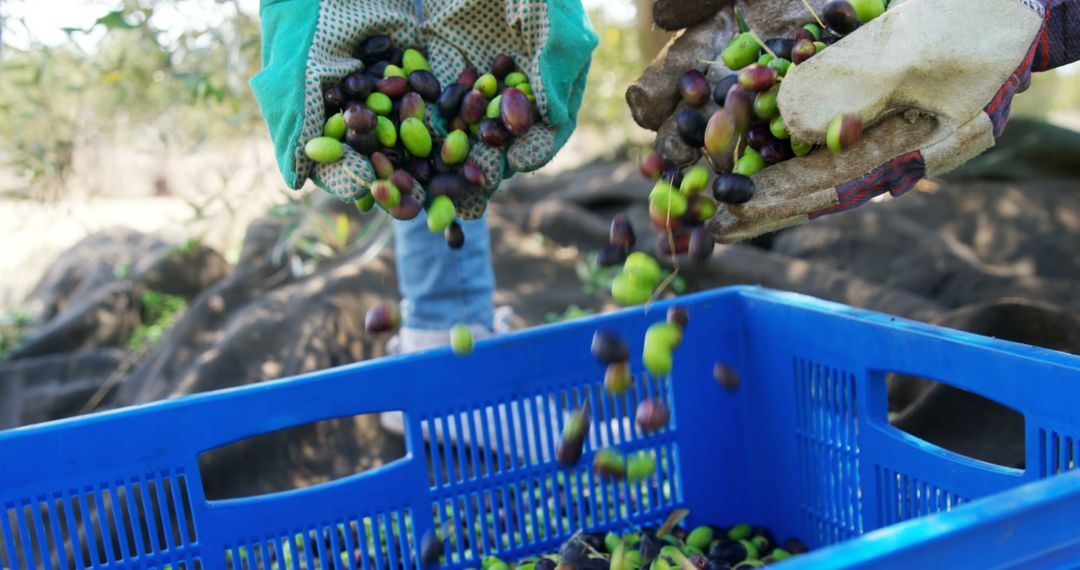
(743, 26)
(114, 21)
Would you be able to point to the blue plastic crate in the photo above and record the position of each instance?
(804, 447)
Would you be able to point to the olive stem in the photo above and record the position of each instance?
(814, 12)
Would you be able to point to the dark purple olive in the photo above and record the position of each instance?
(396, 156)
(396, 56)
(381, 318)
(679, 239)
(426, 84)
(403, 180)
(375, 48)
(363, 143)
(649, 545)
(757, 78)
(720, 92)
(651, 166)
(545, 564)
(568, 453)
(468, 77)
(782, 46)
(610, 256)
(795, 546)
(407, 209)
(431, 548)
(375, 71)
(357, 86)
(803, 51)
(622, 232)
(678, 316)
(516, 112)
(829, 37)
(455, 236)
(701, 244)
(474, 175)
(421, 170)
(800, 34)
(502, 66)
(840, 16)
(691, 127)
(609, 347)
(726, 376)
(450, 101)
(758, 136)
(673, 176)
(775, 152)
(651, 415)
(473, 107)
(333, 99)
(411, 106)
(441, 167)
(449, 185)
(729, 551)
(392, 87)
(694, 88)
(359, 118)
(493, 133)
(741, 103)
(733, 189)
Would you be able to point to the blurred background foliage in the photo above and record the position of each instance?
(149, 75)
(135, 83)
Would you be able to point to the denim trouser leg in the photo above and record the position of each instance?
(441, 287)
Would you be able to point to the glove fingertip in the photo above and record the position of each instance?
(533, 150)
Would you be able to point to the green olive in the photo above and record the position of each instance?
(335, 127)
(324, 149)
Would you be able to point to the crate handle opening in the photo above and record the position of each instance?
(329, 450)
(946, 416)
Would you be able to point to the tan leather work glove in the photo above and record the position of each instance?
(932, 90)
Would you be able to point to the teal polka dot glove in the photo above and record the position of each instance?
(551, 41)
(309, 45)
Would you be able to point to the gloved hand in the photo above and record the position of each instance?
(932, 88)
(308, 46)
(705, 28)
(551, 42)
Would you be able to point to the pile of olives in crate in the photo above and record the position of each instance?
(385, 113)
(671, 547)
(748, 125)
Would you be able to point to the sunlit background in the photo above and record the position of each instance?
(138, 113)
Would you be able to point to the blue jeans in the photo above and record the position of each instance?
(441, 287)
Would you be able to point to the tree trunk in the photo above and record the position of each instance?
(651, 38)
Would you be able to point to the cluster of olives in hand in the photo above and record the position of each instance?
(385, 113)
(706, 547)
(749, 126)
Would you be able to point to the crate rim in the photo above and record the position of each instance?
(1044, 356)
